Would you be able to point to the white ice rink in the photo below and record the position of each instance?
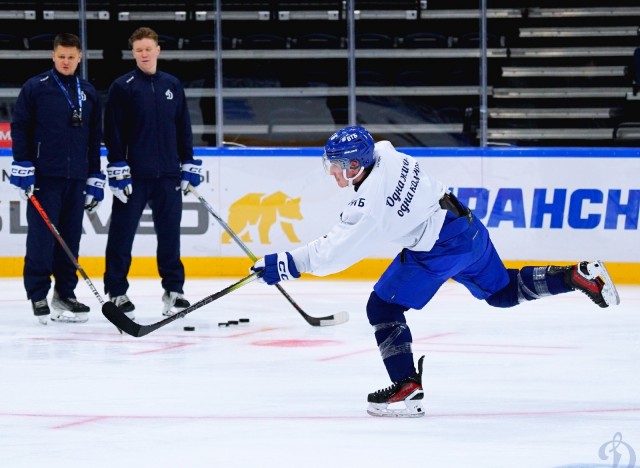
(545, 384)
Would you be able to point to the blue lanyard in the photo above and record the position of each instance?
(66, 93)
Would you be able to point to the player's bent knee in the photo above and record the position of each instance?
(507, 296)
(379, 311)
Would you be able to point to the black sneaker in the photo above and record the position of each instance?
(408, 391)
(41, 310)
(592, 278)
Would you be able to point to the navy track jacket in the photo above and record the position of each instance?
(147, 124)
(41, 127)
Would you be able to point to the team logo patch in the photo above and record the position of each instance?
(259, 211)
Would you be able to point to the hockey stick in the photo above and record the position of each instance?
(120, 320)
(336, 319)
(67, 250)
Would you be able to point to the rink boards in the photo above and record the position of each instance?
(541, 205)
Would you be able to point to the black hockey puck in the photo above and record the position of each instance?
(189, 328)
(244, 320)
(223, 324)
(232, 322)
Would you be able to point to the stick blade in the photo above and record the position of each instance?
(114, 315)
(330, 320)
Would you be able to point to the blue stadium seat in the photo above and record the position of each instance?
(450, 114)
(11, 42)
(318, 41)
(472, 41)
(423, 77)
(167, 42)
(207, 42)
(237, 110)
(290, 115)
(41, 41)
(370, 78)
(425, 40)
(264, 41)
(374, 41)
(322, 77)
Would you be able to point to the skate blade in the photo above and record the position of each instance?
(609, 291)
(70, 317)
(412, 410)
(172, 311)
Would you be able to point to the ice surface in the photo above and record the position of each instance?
(544, 384)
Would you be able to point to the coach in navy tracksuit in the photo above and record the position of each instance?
(150, 152)
(56, 130)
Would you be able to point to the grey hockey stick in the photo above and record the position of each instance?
(335, 319)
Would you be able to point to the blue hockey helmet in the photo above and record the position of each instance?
(347, 145)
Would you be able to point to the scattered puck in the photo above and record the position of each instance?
(244, 320)
(232, 322)
(223, 324)
(189, 328)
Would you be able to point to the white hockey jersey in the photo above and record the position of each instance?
(398, 202)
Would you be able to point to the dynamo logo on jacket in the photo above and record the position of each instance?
(169, 94)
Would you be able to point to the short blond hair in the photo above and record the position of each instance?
(143, 33)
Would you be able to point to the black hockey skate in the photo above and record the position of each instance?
(592, 278)
(68, 310)
(125, 305)
(41, 311)
(173, 302)
(408, 391)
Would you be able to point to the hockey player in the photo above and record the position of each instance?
(397, 201)
(56, 130)
(150, 153)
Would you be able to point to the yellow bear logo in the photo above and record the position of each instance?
(264, 211)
